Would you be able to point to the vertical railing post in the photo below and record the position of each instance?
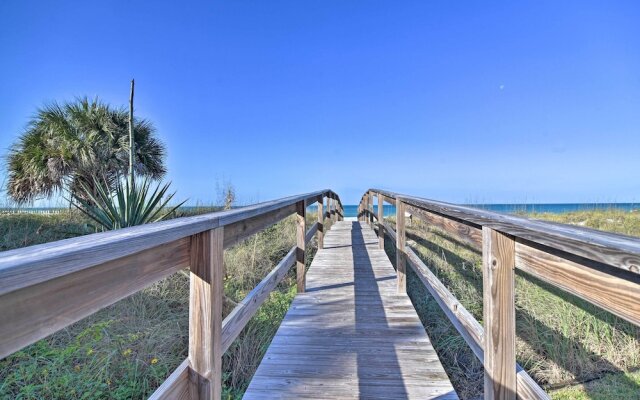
(321, 222)
(401, 241)
(371, 219)
(381, 221)
(205, 314)
(300, 240)
(498, 261)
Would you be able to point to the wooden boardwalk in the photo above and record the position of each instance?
(351, 335)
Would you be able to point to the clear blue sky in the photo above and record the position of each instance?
(459, 101)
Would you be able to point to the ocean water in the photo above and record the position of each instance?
(351, 210)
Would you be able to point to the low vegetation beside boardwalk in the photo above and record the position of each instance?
(128, 349)
(125, 351)
(562, 341)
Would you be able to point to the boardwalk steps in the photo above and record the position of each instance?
(351, 335)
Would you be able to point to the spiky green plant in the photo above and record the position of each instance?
(120, 205)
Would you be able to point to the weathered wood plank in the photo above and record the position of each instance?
(321, 224)
(312, 231)
(381, 221)
(238, 231)
(617, 250)
(615, 291)
(35, 264)
(242, 313)
(205, 315)
(470, 234)
(498, 260)
(401, 240)
(301, 246)
(350, 335)
(468, 327)
(34, 312)
(176, 386)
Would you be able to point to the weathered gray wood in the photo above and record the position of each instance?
(401, 241)
(467, 233)
(176, 386)
(498, 260)
(312, 231)
(321, 224)
(205, 315)
(301, 246)
(468, 327)
(617, 250)
(238, 231)
(35, 264)
(599, 284)
(381, 221)
(242, 313)
(350, 335)
(32, 313)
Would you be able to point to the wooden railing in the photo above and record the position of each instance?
(47, 287)
(599, 267)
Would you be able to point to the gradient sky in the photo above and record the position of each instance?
(459, 101)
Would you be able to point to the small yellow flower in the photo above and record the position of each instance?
(154, 360)
(89, 352)
(126, 352)
(77, 368)
(109, 382)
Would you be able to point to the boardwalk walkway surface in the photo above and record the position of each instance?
(351, 335)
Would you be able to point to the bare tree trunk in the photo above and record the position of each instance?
(132, 144)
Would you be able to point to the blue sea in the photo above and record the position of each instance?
(351, 210)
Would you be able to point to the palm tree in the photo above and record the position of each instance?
(64, 147)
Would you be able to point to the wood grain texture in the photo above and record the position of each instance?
(401, 240)
(35, 264)
(34, 312)
(176, 386)
(310, 232)
(350, 335)
(238, 231)
(381, 222)
(617, 250)
(246, 309)
(470, 234)
(205, 314)
(301, 246)
(468, 327)
(498, 260)
(615, 291)
(321, 224)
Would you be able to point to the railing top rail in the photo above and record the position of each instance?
(34, 264)
(617, 250)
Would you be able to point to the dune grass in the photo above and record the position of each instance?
(561, 338)
(127, 350)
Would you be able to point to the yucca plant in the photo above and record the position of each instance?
(123, 204)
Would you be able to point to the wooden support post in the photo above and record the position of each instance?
(300, 239)
(498, 260)
(321, 223)
(381, 221)
(370, 208)
(205, 314)
(401, 240)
